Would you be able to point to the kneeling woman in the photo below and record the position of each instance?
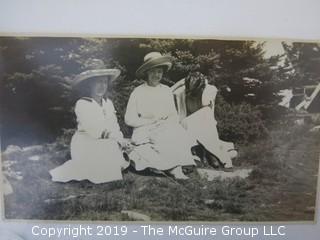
(161, 141)
(95, 147)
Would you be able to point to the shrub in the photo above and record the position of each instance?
(241, 123)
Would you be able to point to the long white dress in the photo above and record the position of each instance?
(93, 158)
(163, 145)
(202, 124)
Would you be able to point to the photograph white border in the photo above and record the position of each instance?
(244, 19)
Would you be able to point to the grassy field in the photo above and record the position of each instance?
(281, 187)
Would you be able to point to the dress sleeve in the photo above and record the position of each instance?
(209, 96)
(132, 117)
(114, 125)
(88, 119)
(172, 111)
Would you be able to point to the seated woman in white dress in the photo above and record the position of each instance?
(161, 142)
(95, 147)
(195, 100)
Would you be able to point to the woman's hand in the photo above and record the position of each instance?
(147, 116)
(105, 134)
(125, 145)
(164, 118)
(154, 120)
(160, 121)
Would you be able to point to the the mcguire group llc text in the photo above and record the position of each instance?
(151, 230)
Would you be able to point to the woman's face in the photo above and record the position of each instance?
(154, 76)
(99, 86)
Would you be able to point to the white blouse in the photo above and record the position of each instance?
(208, 97)
(94, 119)
(147, 103)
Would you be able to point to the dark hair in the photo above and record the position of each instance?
(195, 83)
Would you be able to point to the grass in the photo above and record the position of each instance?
(281, 187)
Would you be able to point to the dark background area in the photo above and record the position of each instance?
(36, 97)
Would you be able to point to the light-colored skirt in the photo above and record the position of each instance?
(96, 160)
(167, 146)
(203, 127)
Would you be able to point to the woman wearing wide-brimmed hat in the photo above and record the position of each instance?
(95, 146)
(161, 141)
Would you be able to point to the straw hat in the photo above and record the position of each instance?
(96, 69)
(152, 60)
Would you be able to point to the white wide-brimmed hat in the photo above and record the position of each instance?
(97, 69)
(152, 60)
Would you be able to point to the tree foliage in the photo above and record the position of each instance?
(303, 61)
(36, 74)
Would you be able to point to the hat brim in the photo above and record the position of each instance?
(113, 74)
(164, 61)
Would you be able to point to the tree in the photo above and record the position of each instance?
(304, 61)
(38, 72)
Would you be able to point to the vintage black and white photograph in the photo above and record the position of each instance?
(159, 129)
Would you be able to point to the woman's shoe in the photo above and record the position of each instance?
(178, 173)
